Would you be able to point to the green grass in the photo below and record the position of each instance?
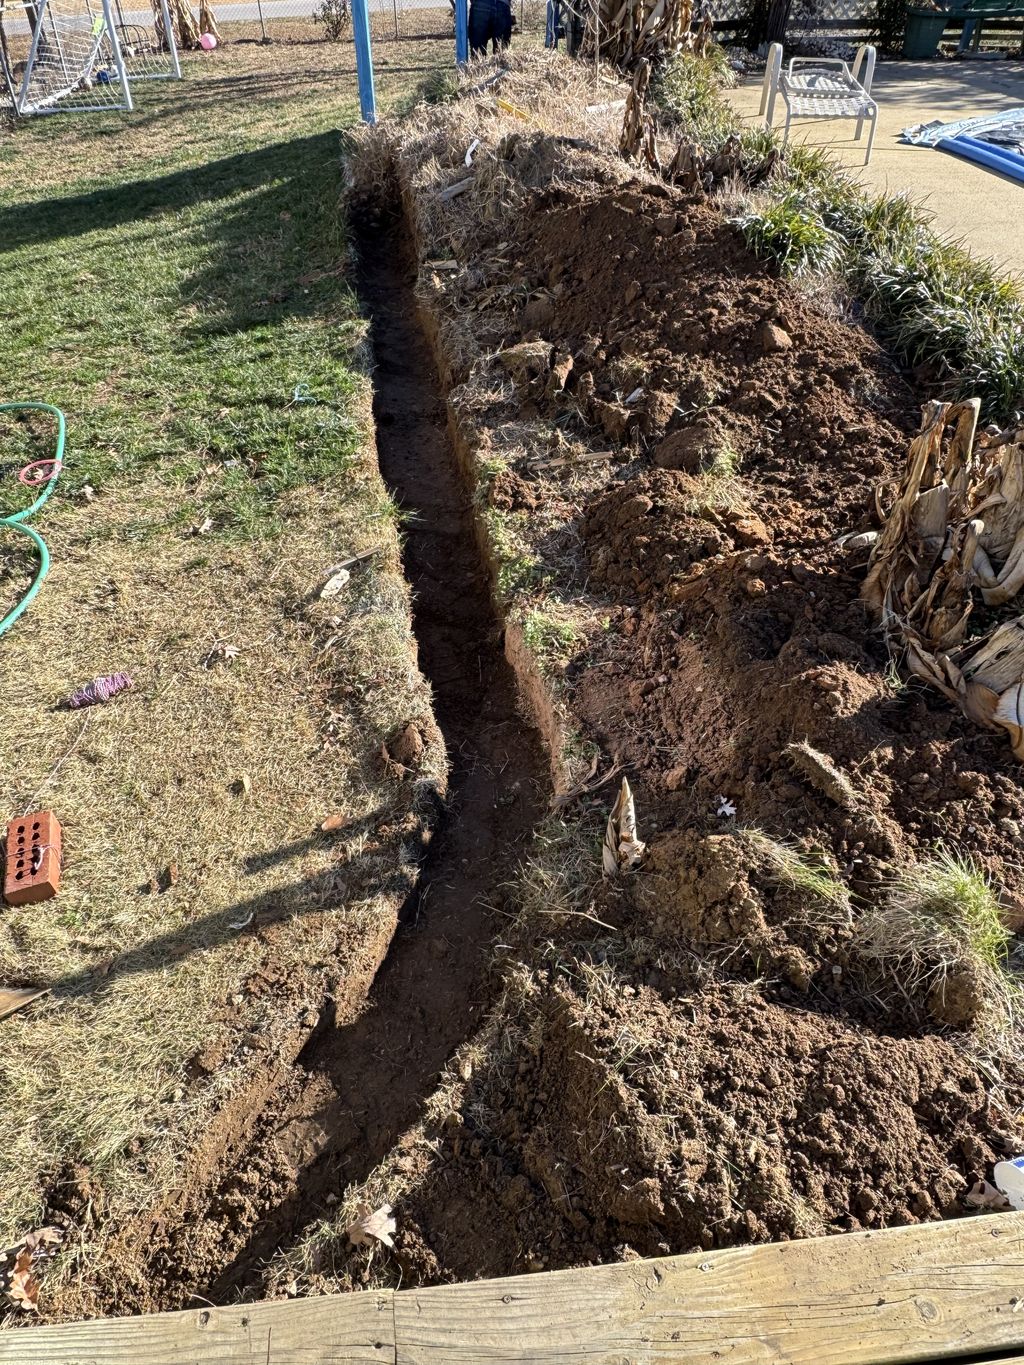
(167, 317)
(940, 921)
(177, 281)
(550, 639)
(517, 567)
(807, 873)
(950, 890)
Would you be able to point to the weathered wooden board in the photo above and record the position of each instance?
(342, 1329)
(910, 1294)
(930, 1293)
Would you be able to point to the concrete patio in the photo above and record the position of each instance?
(980, 207)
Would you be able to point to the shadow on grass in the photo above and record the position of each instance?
(267, 221)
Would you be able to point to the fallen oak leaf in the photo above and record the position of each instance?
(23, 1290)
(376, 1226)
(221, 652)
(23, 1287)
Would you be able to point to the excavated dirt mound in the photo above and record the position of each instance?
(706, 1060)
(636, 1124)
(661, 294)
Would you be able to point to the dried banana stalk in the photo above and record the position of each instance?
(625, 31)
(956, 532)
(185, 22)
(635, 118)
(622, 849)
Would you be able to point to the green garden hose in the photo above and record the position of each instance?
(16, 520)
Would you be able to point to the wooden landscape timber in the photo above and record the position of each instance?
(931, 1292)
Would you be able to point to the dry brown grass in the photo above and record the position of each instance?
(527, 120)
(224, 772)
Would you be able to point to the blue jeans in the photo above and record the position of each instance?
(490, 21)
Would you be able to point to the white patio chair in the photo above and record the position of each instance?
(824, 87)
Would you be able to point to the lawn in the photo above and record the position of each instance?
(178, 282)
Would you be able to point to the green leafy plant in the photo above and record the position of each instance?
(686, 90)
(792, 232)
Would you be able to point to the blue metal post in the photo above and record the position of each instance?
(461, 32)
(364, 60)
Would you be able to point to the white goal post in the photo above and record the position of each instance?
(74, 62)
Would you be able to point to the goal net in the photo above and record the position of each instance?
(82, 55)
(146, 38)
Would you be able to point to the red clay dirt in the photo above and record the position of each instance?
(703, 1063)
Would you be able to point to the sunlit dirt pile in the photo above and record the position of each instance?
(667, 440)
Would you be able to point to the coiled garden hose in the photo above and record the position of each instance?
(16, 520)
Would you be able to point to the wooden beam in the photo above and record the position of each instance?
(340, 1329)
(930, 1292)
(937, 1292)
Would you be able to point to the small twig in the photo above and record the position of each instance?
(580, 914)
(57, 766)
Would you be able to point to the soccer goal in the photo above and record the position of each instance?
(74, 59)
(81, 56)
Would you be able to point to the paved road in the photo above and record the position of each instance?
(248, 11)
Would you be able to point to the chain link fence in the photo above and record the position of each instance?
(274, 21)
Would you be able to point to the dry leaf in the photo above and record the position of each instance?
(243, 785)
(377, 1226)
(622, 849)
(334, 821)
(221, 652)
(23, 1286)
(172, 874)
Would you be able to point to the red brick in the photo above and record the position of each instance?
(33, 858)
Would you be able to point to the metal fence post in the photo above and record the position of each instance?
(461, 32)
(364, 60)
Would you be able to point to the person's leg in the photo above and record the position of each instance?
(479, 27)
(502, 26)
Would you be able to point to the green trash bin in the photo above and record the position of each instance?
(923, 33)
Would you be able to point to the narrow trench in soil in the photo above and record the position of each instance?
(361, 1086)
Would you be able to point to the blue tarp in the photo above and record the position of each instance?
(993, 140)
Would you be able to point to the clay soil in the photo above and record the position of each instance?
(697, 1058)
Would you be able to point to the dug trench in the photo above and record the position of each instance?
(698, 1055)
(355, 1089)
